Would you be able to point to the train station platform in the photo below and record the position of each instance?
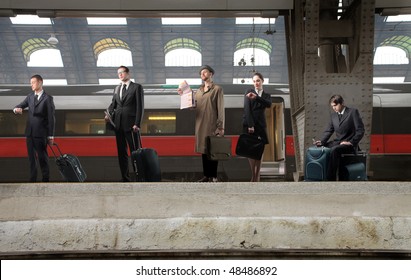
(171, 217)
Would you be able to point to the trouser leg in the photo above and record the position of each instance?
(122, 155)
(209, 167)
(335, 156)
(40, 145)
(32, 159)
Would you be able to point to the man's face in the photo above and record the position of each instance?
(123, 75)
(337, 107)
(35, 84)
(205, 75)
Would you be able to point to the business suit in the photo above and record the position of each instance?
(254, 114)
(349, 128)
(40, 125)
(127, 111)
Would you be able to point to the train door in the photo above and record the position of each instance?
(274, 152)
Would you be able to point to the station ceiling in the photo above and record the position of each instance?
(218, 36)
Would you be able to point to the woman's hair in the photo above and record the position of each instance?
(337, 99)
(259, 75)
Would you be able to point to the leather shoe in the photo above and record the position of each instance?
(204, 179)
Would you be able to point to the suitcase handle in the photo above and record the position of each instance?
(51, 148)
(139, 140)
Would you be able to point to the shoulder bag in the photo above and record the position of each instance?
(250, 146)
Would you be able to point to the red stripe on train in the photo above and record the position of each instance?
(106, 146)
(380, 144)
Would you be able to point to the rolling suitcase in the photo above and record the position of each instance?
(353, 167)
(316, 163)
(69, 166)
(146, 163)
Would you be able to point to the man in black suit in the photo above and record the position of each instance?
(348, 127)
(126, 108)
(39, 128)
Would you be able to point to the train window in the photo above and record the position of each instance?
(159, 123)
(84, 123)
(11, 124)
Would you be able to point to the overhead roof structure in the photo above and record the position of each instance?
(216, 39)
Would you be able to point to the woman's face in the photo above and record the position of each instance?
(258, 82)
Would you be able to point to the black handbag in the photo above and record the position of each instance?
(250, 146)
(218, 147)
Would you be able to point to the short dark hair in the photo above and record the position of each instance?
(37, 77)
(337, 99)
(125, 68)
(259, 75)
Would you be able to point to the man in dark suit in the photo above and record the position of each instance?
(127, 107)
(348, 127)
(39, 128)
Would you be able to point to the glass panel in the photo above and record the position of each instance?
(11, 124)
(45, 58)
(107, 21)
(30, 19)
(182, 21)
(84, 123)
(155, 123)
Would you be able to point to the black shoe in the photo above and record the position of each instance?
(203, 180)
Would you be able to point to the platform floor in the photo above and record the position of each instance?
(181, 217)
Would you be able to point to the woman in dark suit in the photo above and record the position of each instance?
(255, 102)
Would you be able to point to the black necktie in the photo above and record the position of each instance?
(123, 91)
(339, 116)
(36, 99)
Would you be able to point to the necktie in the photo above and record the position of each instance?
(36, 99)
(123, 91)
(339, 116)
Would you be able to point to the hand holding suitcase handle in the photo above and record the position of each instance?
(317, 142)
(51, 148)
(139, 140)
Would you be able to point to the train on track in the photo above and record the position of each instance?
(81, 130)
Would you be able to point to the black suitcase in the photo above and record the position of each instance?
(146, 163)
(353, 167)
(69, 166)
(316, 163)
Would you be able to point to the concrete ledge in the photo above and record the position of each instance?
(194, 216)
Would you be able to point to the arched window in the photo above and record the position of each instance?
(252, 49)
(394, 50)
(39, 53)
(182, 52)
(112, 52)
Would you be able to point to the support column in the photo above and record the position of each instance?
(335, 44)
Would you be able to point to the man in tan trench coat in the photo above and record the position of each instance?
(209, 119)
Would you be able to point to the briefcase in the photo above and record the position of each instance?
(353, 172)
(218, 147)
(250, 146)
